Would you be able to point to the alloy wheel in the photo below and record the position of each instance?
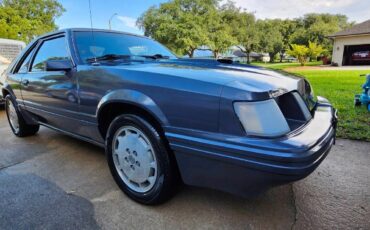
(13, 116)
(134, 159)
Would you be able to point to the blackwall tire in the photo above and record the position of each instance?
(16, 121)
(139, 161)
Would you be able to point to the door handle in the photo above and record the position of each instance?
(25, 82)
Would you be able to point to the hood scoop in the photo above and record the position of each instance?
(225, 61)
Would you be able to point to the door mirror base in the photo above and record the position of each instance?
(58, 65)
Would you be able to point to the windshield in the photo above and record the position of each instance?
(101, 45)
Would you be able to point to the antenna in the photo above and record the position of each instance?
(92, 35)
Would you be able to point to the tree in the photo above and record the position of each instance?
(248, 35)
(301, 52)
(271, 40)
(317, 27)
(287, 28)
(314, 50)
(220, 38)
(26, 19)
(243, 26)
(185, 25)
(181, 25)
(219, 32)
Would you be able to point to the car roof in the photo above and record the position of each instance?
(68, 30)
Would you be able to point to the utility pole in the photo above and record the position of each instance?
(110, 20)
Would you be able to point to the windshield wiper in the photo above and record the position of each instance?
(155, 56)
(108, 57)
(113, 57)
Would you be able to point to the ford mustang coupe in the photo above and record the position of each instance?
(163, 119)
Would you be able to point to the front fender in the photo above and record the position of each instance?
(135, 98)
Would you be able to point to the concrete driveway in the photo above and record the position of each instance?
(52, 181)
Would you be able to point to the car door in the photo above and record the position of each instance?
(51, 95)
(15, 77)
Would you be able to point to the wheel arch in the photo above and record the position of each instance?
(134, 102)
(128, 101)
(6, 91)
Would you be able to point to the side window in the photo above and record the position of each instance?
(23, 68)
(54, 49)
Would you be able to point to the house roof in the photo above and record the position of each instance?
(358, 29)
(12, 42)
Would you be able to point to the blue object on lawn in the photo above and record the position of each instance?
(364, 97)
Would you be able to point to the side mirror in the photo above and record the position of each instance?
(58, 65)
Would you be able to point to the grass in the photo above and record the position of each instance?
(340, 86)
(284, 65)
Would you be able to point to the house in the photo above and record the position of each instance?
(352, 46)
(9, 49)
(233, 53)
(203, 53)
(237, 55)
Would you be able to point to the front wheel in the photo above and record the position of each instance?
(16, 121)
(139, 160)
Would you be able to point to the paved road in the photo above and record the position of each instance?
(52, 181)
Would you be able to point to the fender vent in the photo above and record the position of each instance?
(294, 109)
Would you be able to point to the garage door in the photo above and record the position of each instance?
(356, 55)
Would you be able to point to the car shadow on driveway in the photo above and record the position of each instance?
(29, 201)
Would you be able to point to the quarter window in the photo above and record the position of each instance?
(23, 68)
(54, 49)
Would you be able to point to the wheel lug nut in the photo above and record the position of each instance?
(135, 153)
(138, 163)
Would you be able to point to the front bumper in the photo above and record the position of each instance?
(244, 165)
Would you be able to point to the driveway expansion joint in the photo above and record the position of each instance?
(13, 164)
(294, 207)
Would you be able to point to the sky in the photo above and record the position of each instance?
(77, 11)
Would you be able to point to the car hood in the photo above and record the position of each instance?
(249, 78)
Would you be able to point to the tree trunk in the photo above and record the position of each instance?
(248, 57)
(191, 53)
(281, 57)
(215, 54)
(271, 57)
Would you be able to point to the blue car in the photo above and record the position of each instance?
(164, 120)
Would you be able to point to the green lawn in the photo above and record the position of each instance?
(284, 65)
(340, 86)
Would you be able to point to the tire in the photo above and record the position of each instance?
(148, 176)
(368, 107)
(357, 102)
(16, 121)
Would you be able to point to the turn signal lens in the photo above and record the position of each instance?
(262, 118)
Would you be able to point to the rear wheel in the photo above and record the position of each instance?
(139, 160)
(357, 102)
(16, 121)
